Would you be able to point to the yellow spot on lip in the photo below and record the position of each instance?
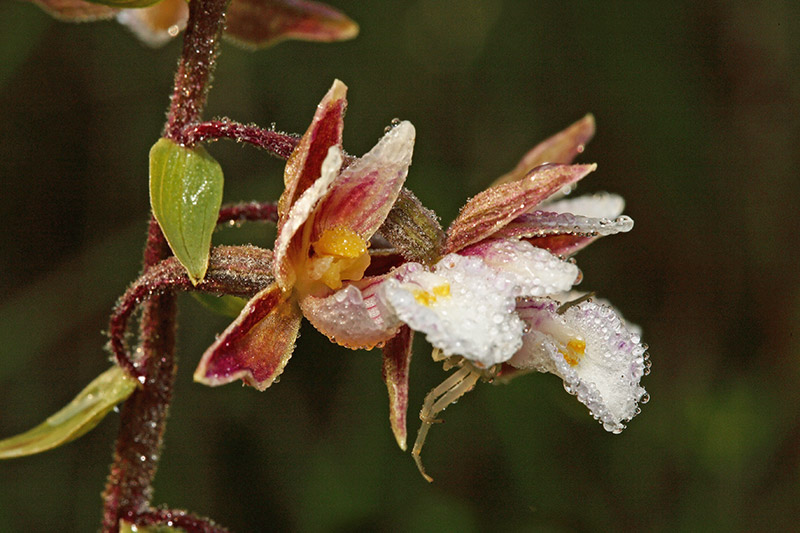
(574, 351)
(428, 298)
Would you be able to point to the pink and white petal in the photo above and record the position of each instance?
(605, 376)
(304, 165)
(366, 190)
(494, 208)
(562, 148)
(256, 346)
(158, 24)
(396, 361)
(76, 10)
(261, 23)
(597, 205)
(535, 271)
(289, 242)
(464, 307)
(562, 233)
(355, 316)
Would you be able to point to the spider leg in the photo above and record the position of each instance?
(456, 385)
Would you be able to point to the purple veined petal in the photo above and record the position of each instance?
(396, 360)
(355, 316)
(261, 23)
(158, 24)
(561, 148)
(535, 271)
(256, 346)
(304, 165)
(76, 10)
(365, 191)
(290, 242)
(600, 359)
(492, 209)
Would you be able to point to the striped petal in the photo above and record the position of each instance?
(256, 346)
(305, 164)
(562, 148)
(396, 360)
(365, 191)
(496, 207)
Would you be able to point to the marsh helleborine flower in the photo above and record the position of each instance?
(499, 300)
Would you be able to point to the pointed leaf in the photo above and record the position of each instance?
(262, 23)
(396, 360)
(186, 194)
(256, 346)
(561, 148)
(225, 305)
(494, 208)
(79, 416)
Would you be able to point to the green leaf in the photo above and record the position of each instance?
(186, 194)
(125, 4)
(225, 305)
(79, 416)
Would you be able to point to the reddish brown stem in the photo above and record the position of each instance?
(235, 270)
(277, 143)
(143, 417)
(175, 518)
(249, 211)
(196, 66)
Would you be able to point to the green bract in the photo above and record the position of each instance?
(225, 305)
(185, 194)
(79, 416)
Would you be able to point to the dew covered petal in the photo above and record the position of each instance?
(494, 208)
(355, 316)
(535, 271)
(597, 205)
(562, 148)
(256, 346)
(463, 306)
(365, 191)
(588, 345)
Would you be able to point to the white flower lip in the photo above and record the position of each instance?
(599, 358)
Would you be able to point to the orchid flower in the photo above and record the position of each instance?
(498, 299)
(251, 23)
(329, 210)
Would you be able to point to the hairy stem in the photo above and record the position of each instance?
(196, 66)
(277, 143)
(128, 489)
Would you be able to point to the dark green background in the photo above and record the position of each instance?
(697, 106)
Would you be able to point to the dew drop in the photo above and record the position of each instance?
(645, 398)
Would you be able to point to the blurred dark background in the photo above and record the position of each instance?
(697, 106)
